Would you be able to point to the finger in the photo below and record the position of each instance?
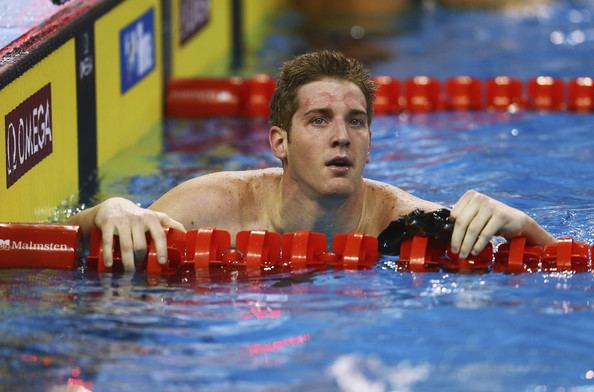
(169, 222)
(490, 230)
(107, 244)
(461, 204)
(159, 239)
(126, 247)
(139, 241)
(461, 225)
(474, 231)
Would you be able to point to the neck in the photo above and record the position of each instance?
(329, 214)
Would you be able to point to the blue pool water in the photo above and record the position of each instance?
(374, 330)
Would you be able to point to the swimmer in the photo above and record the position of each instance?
(321, 114)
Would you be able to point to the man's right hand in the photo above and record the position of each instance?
(121, 217)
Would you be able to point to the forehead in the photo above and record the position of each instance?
(327, 92)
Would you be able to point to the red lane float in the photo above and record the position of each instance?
(423, 94)
(354, 251)
(260, 252)
(38, 245)
(504, 93)
(305, 249)
(546, 94)
(257, 252)
(258, 93)
(463, 93)
(423, 254)
(566, 255)
(231, 97)
(516, 257)
(581, 95)
(234, 96)
(190, 98)
(208, 246)
(387, 95)
(480, 263)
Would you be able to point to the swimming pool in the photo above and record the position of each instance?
(337, 330)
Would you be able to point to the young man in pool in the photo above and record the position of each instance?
(320, 130)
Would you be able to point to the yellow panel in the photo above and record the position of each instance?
(139, 160)
(208, 52)
(122, 119)
(34, 196)
(255, 18)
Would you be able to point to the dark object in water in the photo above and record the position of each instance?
(435, 224)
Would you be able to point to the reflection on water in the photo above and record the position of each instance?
(335, 329)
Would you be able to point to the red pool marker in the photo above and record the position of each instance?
(421, 254)
(259, 91)
(566, 255)
(304, 249)
(581, 95)
(176, 254)
(355, 251)
(546, 94)
(38, 245)
(95, 259)
(387, 95)
(206, 246)
(504, 93)
(463, 93)
(260, 249)
(205, 97)
(259, 252)
(422, 94)
(472, 264)
(515, 257)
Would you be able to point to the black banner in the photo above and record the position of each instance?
(87, 113)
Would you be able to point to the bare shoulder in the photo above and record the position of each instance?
(216, 199)
(230, 180)
(385, 203)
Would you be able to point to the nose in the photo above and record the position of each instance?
(340, 135)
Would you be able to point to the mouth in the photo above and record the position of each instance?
(339, 165)
(340, 162)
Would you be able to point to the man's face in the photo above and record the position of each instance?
(330, 139)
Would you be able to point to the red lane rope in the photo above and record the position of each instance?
(259, 252)
(424, 254)
(233, 97)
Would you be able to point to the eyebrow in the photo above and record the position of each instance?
(356, 112)
(328, 112)
(325, 112)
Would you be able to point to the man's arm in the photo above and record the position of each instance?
(479, 218)
(209, 200)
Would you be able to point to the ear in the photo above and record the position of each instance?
(277, 137)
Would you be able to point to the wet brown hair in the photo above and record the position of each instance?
(312, 67)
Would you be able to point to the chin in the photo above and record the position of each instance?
(341, 189)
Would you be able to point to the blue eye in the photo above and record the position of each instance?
(318, 121)
(357, 122)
